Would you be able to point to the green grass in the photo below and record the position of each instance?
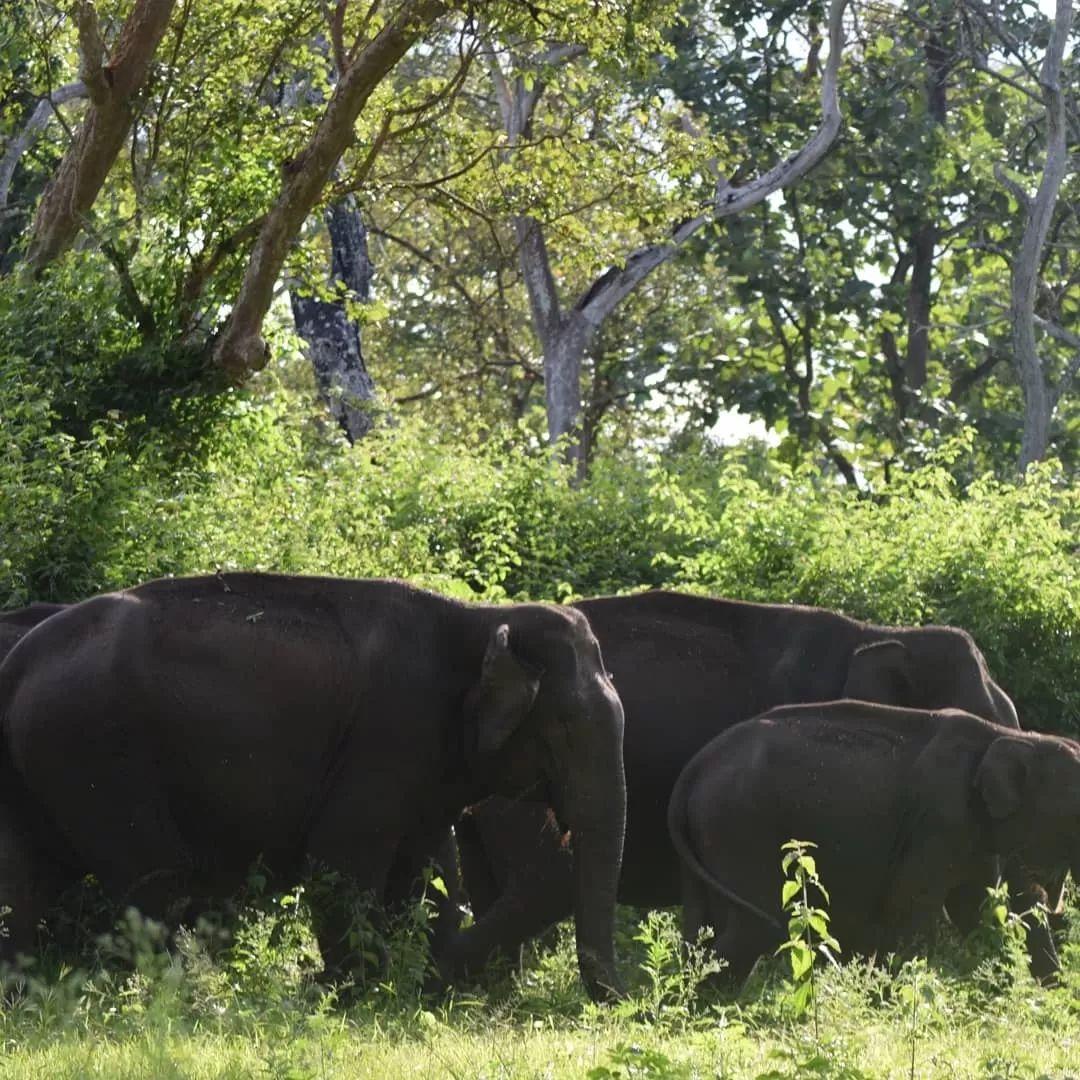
(255, 1009)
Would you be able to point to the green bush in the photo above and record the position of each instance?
(269, 488)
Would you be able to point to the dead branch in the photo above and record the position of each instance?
(25, 139)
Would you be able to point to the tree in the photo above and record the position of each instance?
(1040, 400)
(565, 330)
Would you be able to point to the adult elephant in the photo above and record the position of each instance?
(903, 805)
(16, 623)
(686, 668)
(172, 733)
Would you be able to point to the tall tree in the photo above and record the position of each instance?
(565, 329)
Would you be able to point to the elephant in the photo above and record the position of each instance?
(165, 736)
(15, 624)
(904, 806)
(686, 668)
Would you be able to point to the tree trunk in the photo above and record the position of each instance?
(922, 269)
(564, 336)
(240, 349)
(112, 87)
(333, 339)
(1039, 399)
(563, 353)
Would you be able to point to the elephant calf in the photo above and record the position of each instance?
(904, 805)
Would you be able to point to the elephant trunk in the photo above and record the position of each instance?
(598, 824)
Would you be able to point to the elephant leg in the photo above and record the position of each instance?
(964, 904)
(526, 908)
(348, 915)
(537, 891)
(477, 873)
(695, 907)
(30, 883)
(740, 940)
(1043, 961)
(123, 830)
(407, 885)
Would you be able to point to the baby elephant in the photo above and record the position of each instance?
(903, 804)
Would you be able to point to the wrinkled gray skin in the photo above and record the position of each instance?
(686, 668)
(905, 806)
(166, 736)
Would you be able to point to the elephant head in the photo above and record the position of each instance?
(545, 719)
(1029, 785)
(930, 667)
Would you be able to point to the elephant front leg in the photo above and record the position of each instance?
(536, 892)
(349, 919)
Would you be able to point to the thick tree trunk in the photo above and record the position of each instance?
(112, 87)
(333, 339)
(922, 269)
(563, 353)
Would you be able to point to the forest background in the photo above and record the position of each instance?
(318, 288)
(541, 300)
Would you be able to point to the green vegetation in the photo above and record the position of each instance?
(546, 159)
(252, 1008)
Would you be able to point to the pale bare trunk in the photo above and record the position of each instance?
(1039, 400)
(563, 336)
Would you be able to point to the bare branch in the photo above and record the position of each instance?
(25, 139)
(240, 349)
(81, 173)
(608, 291)
(205, 264)
(337, 35)
(731, 200)
(994, 73)
(143, 315)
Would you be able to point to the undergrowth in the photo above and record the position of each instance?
(251, 1003)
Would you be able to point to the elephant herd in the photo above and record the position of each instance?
(654, 749)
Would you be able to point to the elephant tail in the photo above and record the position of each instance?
(679, 830)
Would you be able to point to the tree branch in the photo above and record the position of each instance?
(240, 348)
(25, 139)
(609, 290)
(1018, 192)
(205, 264)
(81, 173)
(91, 53)
(730, 200)
(143, 315)
(1038, 401)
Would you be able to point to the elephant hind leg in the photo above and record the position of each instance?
(30, 883)
(743, 940)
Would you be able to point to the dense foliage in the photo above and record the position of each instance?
(92, 507)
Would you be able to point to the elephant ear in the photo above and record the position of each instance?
(1002, 776)
(880, 672)
(502, 699)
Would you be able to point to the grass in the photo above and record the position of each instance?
(255, 1009)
